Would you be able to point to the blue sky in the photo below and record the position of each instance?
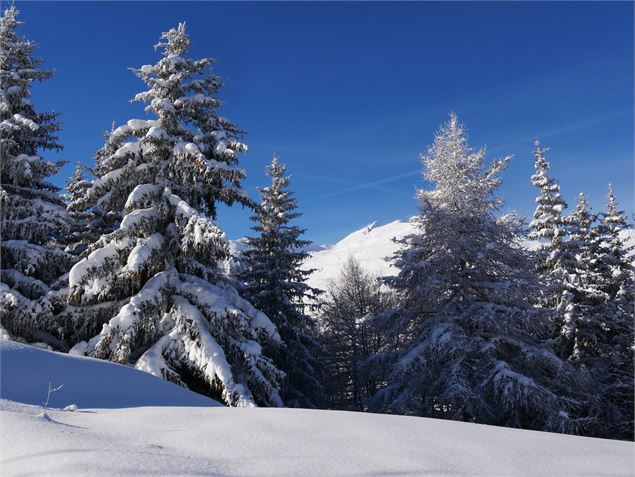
(349, 94)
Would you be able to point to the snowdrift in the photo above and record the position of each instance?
(170, 435)
(239, 442)
(26, 371)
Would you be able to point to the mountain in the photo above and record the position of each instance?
(373, 246)
(172, 431)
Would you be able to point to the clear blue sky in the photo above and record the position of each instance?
(349, 94)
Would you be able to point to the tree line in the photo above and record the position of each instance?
(129, 265)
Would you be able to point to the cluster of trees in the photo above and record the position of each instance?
(130, 265)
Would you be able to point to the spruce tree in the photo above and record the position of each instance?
(469, 332)
(275, 282)
(608, 350)
(151, 292)
(581, 297)
(83, 230)
(556, 259)
(33, 218)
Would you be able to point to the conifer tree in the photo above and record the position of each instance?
(275, 282)
(584, 297)
(465, 316)
(83, 227)
(557, 262)
(151, 292)
(352, 333)
(33, 219)
(607, 351)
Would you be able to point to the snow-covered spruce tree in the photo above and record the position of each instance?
(274, 281)
(154, 283)
(83, 230)
(606, 349)
(557, 256)
(465, 317)
(352, 335)
(33, 218)
(549, 227)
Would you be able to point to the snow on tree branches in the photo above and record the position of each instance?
(275, 283)
(470, 348)
(154, 283)
(33, 219)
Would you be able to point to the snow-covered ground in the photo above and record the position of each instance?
(26, 371)
(176, 432)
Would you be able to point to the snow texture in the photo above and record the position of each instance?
(286, 442)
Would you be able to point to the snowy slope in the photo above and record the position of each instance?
(26, 371)
(286, 442)
(371, 246)
(171, 436)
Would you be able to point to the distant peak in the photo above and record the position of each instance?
(369, 227)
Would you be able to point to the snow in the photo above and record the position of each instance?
(19, 119)
(142, 193)
(127, 148)
(128, 423)
(95, 260)
(143, 251)
(138, 217)
(370, 245)
(156, 133)
(26, 372)
(183, 148)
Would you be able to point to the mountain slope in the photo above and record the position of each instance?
(286, 442)
(373, 247)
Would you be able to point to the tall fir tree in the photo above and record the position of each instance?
(470, 348)
(151, 292)
(33, 218)
(608, 352)
(275, 282)
(556, 256)
(583, 297)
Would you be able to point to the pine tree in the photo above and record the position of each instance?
(276, 284)
(469, 333)
(154, 283)
(33, 219)
(352, 333)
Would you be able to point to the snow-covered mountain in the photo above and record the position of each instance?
(173, 431)
(373, 246)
